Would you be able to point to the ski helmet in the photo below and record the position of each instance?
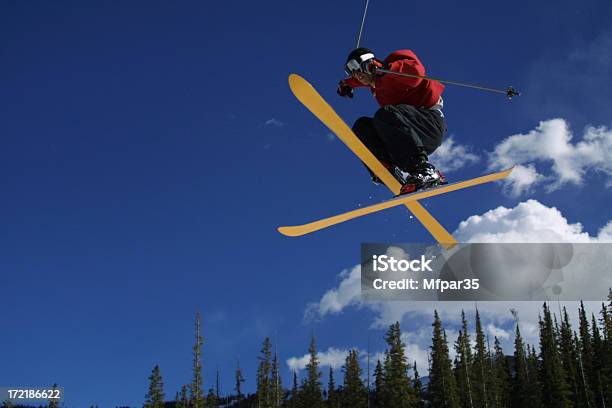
(356, 58)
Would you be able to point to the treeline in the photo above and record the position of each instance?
(572, 367)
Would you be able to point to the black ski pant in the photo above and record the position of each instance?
(401, 135)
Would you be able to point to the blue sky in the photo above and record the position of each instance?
(150, 150)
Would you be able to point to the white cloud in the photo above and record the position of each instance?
(522, 179)
(605, 234)
(529, 221)
(274, 123)
(333, 358)
(417, 348)
(451, 156)
(335, 300)
(550, 144)
(498, 332)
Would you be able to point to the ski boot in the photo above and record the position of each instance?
(394, 170)
(423, 175)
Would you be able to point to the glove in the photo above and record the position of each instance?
(344, 90)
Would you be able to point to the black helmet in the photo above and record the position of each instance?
(356, 58)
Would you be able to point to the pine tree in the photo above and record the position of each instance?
(599, 374)
(520, 382)
(555, 390)
(585, 356)
(311, 395)
(182, 400)
(217, 386)
(502, 375)
(53, 403)
(354, 393)
(155, 396)
(534, 388)
(294, 397)
(196, 398)
(606, 323)
(418, 388)
(212, 400)
(463, 364)
(398, 390)
(276, 383)
(238, 385)
(333, 400)
(481, 369)
(567, 349)
(264, 383)
(584, 389)
(379, 385)
(441, 389)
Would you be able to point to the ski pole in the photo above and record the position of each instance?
(365, 10)
(509, 92)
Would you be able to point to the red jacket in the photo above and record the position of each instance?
(392, 89)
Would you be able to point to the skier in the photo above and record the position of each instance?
(409, 125)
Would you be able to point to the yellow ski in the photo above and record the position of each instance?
(298, 230)
(310, 98)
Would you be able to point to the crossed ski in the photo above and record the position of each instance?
(312, 100)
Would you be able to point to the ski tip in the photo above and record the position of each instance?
(288, 231)
(296, 81)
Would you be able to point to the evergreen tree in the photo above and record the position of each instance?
(354, 393)
(441, 389)
(276, 383)
(196, 397)
(567, 349)
(379, 385)
(555, 390)
(264, 371)
(155, 396)
(217, 386)
(502, 376)
(183, 399)
(481, 369)
(584, 389)
(599, 373)
(238, 386)
(333, 400)
(606, 323)
(212, 399)
(534, 388)
(418, 388)
(520, 381)
(398, 390)
(463, 364)
(311, 395)
(294, 396)
(53, 403)
(585, 356)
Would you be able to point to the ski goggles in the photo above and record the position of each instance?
(356, 64)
